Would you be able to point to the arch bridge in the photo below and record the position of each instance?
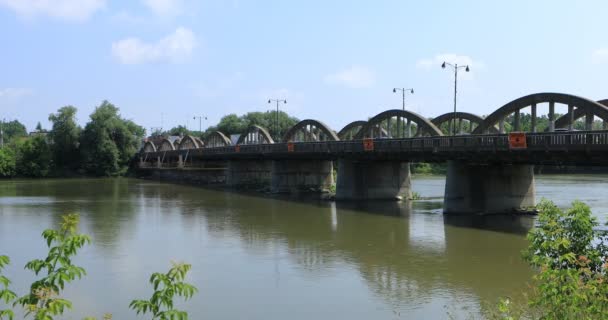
(490, 158)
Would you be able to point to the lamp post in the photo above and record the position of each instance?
(277, 115)
(403, 91)
(200, 122)
(455, 67)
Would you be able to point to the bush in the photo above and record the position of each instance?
(570, 255)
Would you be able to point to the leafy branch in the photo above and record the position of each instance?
(43, 300)
(166, 287)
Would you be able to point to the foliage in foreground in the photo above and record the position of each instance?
(43, 302)
(570, 254)
(166, 287)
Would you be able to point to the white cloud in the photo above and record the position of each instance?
(72, 10)
(176, 47)
(164, 8)
(600, 55)
(353, 77)
(14, 93)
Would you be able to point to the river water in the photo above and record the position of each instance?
(263, 257)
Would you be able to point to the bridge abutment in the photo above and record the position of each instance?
(488, 189)
(248, 173)
(373, 180)
(294, 176)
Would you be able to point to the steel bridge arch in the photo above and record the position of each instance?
(449, 117)
(424, 125)
(533, 99)
(255, 135)
(190, 142)
(307, 125)
(562, 121)
(216, 139)
(350, 130)
(166, 145)
(149, 146)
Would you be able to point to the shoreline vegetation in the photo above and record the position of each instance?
(108, 144)
(566, 249)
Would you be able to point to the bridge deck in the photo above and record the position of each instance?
(568, 148)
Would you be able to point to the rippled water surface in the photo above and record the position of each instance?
(258, 257)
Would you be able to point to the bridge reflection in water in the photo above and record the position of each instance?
(407, 253)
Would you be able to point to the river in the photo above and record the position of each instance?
(265, 257)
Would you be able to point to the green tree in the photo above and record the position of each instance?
(33, 157)
(177, 131)
(109, 142)
(65, 135)
(570, 254)
(13, 130)
(43, 301)
(233, 124)
(39, 127)
(7, 162)
(166, 287)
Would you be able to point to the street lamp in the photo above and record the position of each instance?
(277, 117)
(403, 91)
(455, 67)
(200, 122)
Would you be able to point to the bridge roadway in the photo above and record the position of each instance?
(487, 171)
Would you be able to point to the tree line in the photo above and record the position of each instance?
(104, 147)
(233, 124)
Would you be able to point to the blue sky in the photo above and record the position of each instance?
(334, 61)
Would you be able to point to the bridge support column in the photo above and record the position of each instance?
(248, 173)
(180, 161)
(294, 176)
(159, 163)
(373, 180)
(487, 189)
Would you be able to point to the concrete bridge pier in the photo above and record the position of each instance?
(488, 189)
(295, 176)
(373, 180)
(248, 173)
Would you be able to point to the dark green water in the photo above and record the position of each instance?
(274, 258)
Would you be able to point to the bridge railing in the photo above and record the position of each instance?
(554, 141)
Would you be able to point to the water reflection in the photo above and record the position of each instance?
(305, 257)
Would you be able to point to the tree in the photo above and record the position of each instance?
(7, 162)
(233, 124)
(65, 135)
(39, 127)
(177, 131)
(12, 130)
(109, 142)
(570, 253)
(33, 157)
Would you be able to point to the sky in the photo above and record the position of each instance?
(163, 62)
